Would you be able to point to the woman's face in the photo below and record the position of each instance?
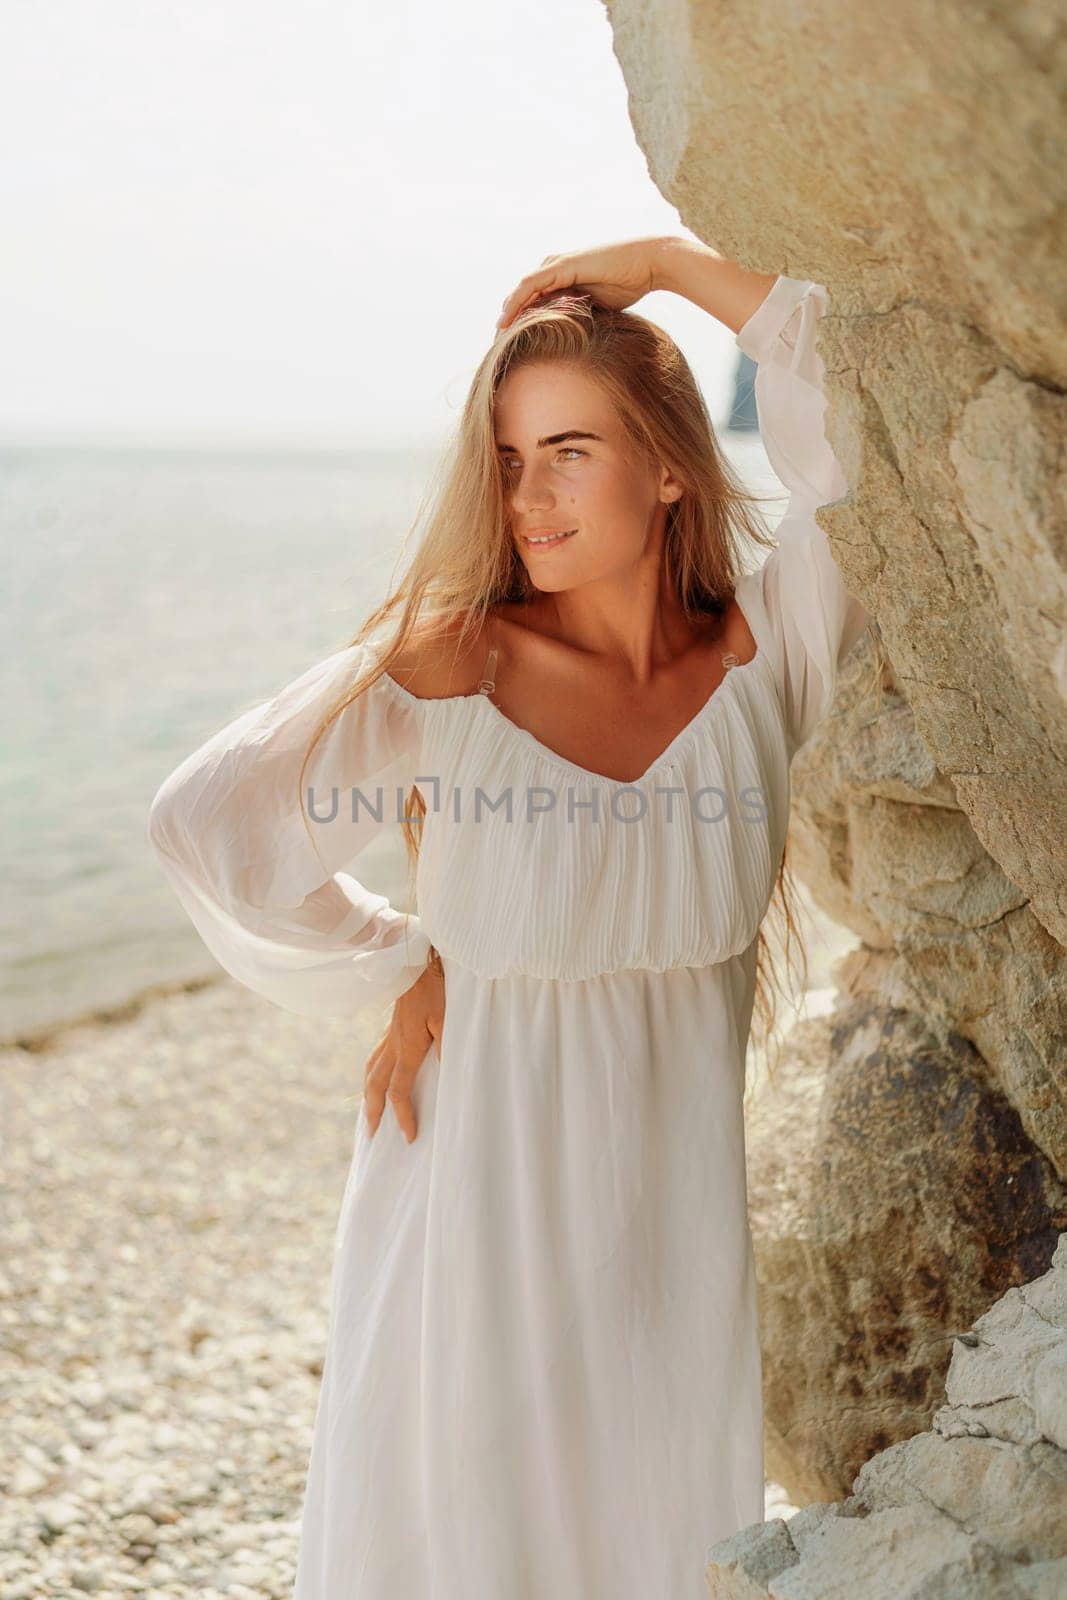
(570, 467)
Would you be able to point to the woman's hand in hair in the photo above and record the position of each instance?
(417, 1021)
(613, 275)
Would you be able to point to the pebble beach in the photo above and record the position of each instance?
(171, 1182)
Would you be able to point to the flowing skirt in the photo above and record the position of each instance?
(542, 1377)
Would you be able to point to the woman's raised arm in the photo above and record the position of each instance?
(798, 603)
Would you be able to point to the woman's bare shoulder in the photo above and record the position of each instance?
(736, 634)
(437, 662)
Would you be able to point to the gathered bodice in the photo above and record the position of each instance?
(531, 864)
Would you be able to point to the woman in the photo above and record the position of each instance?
(543, 1369)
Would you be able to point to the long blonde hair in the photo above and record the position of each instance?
(465, 559)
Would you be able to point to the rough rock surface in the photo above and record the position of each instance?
(976, 1506)
(919, 172)
(875, 1241)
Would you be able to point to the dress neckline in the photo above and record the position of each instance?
(524, 736)
(548, 754)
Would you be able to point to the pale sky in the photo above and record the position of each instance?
(296, 223)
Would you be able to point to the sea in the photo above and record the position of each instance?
(150, 595)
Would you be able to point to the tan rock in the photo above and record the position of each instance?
(893, 1194)
(950, 1512)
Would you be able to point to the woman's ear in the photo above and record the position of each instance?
(670, 488)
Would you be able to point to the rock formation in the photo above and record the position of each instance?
(976, 1506)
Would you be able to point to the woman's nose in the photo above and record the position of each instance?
(530, 491)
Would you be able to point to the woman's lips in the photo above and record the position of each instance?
(547, 542)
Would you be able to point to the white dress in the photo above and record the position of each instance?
(542, 1378)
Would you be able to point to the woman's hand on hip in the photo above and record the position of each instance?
(614, 275)
(417, 1021)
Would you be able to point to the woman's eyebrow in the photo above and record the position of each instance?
(558, 438)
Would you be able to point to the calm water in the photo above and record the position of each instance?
(150, 597)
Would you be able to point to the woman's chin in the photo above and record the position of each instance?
(550, 582)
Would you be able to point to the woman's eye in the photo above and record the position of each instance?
(567, 450)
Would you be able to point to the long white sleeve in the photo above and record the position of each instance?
(265, 891)
(797, 602)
